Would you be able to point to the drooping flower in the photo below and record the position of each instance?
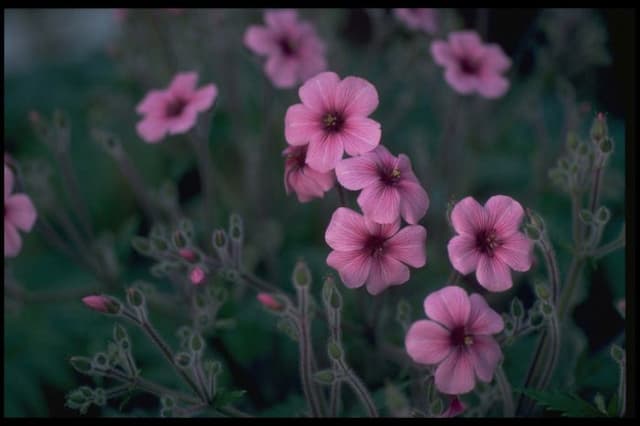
(19, 213)
(333, 118)
(294, 50)
(420, 19)
(489, 241)
(175, 109)
(472, 66)
(457, 337)
(371, 254)
(390, 189)
(302, 179)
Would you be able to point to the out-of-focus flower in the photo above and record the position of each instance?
(333, 118)
(197, 275)
(455, 408)
(371, 254)
(457, 337)
(19, 213)
(472, 66)
(294, 50)
(302, 179)
(420, 19)
(389, 186)
(269, 302)
(489, 241)
(175, 109)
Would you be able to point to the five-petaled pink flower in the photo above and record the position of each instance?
(294, 50)
(421, 19)
(175, 109)
(457, 337)
(365, 252)
(489, 241)
(19, 213)
(302, 179)
(472, 66)
(389, 187)
(333, 118)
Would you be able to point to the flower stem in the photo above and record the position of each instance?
(507, 393)
(359, 388)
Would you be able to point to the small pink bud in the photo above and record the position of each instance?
(197, 275)
(187, 254)
(102, 304)
(455, 407)
(269, 302)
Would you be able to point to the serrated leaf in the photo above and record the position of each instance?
(568, 404)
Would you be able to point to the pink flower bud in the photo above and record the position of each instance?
(197, 275)
(269, 302)
(187, 254)
(102, 304)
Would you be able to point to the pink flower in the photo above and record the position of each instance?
(457, 338)
(197, 275)
(294, 50)
(302, 179)
(368, 253)
(472, 66)
(19, 213)
(332, 118)
(389, 187)
(187, 254)
(102, 304)
(421, 19)
(175, 109)
(489, 241)
(456, 407)
(269, 302)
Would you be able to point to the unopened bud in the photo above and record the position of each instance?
(141, 245)
(159, 244)
(270, 302)
(81, 364)
(334, 350)
(325, 377)
(100, 360)
(183, 359)
(586, 217)
(599, 129)
(532, 232)
(197, 275)
(196, 344)
(572, 141)
(606, 146)
(119, 333)
(301, 274)
(546, 309)
(517, 310)
(104, 304)
(135, 298)
(617, 353)
(188, 255)
(603, 215)
(542, 291)
(179, 240)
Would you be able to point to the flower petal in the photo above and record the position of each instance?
(485, 354)
(300, 124)
(282, 71)
(463, 83)
(346, 230)
(356, 96)
(442, 54)
(493, 274)
(463, 254)
(152, 129)
(483, 319)
(454, 375)
(383, 230)
(353, 266)
(154, 102)
(260, 40)
(204, 97)
(414, 201)
(408, 246)
(357, 172)
(468, 216)
(385, 272)
(505, 214)
(495, 58)
(19, 210)
(8, 182)
(491, 85)
(427, 342)
(183, 84)
(317, 92)
(325, 151)
(183, 122)
(360, 135)
(380, 203)
(449, 306)
(281, 19)
(465, 43)
(516, 251)
(12, 240)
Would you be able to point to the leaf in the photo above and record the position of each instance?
(612, 408)
(224, 397)
(568, 404)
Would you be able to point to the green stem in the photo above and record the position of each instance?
(610, 247)
(359, 388)
(507, 393)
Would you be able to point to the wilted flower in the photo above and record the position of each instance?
(302, 179)
(175, 109)
(472, 66)
(294, 50)
(420, 19)
(458, 338)
(489, 241)
(332, 118)
(365, 252)
(389, 187)
(19, 213)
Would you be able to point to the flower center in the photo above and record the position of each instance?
(469, 66)
(175, 107)
(487, 241)
(297, 158)
(287, 47)
(332, 122)
(375, 245)
(459, 337)
(390, 177)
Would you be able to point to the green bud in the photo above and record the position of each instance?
(603, 215)
(599, 129)
(196, 344)
(325, 377)
(546, 309)
(81, 364)
(220, 294)
(200, 301)
(141, 245)
(606, 146)
(532, 232)
(187, 227)
(235, 227)
(535, 220)
(219, 238)
(508, 327)
(301, 274)
(167, 401)
(542, 291)
(119, 333)
(563, 164)
(211, 367)
(583, 149)
(183, 359)
(327, 289)
(179, 240)
(135, 298)
(617, 353)
(334, 350)
(165, 412)
(336, 299)
(517, 310)
(100, 360)
(586, 216)
(159, 244)
(536, 320)
(572, 141)
(285, 325)
(99, 397)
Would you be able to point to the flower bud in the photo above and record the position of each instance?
(81, 364)
(167, 401)
(196, 344)
(586, 217)
(197, 275)
(270, 302)
(187, 227)
(542, 291)
(572, 141)
(606, 146)
(104, 304)
(334, 350)
(188, 255)
(179, 240)
(100, 361)
(617, 353)
(159, 244)
(517, 310)
(532, 232)
(301, 274)
(183, 359)
(135, 298)
(599, 129)
(603, 215)
(325, 377)
(141, 245)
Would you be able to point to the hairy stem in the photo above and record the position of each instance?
(507, 393)
(359, 388)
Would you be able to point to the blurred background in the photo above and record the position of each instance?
(96, 65)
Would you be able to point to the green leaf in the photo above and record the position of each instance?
(612, 408)
(568, 404)
(224, 397)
